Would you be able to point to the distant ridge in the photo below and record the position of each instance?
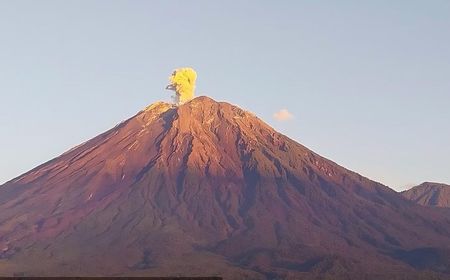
(429, 194)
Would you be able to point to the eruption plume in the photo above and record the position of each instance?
(182, 81)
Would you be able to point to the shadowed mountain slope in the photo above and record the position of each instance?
(209, 189)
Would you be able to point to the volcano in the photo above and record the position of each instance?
(208, 189)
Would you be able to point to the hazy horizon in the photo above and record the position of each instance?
(364, 85)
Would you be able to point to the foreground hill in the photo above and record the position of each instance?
(430, 194)
(209, 189)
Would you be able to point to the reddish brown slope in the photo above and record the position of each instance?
(207, 188)
(429, 194)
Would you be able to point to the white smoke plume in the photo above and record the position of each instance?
(283, 115)
(182, 82)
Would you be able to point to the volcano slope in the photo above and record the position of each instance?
(207, 189)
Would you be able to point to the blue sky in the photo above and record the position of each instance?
(368, 82)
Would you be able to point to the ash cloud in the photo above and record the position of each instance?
(182, 82)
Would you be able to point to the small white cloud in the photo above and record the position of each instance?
(283, 115)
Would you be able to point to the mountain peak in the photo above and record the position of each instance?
(429, 194)
(199, 107)
(201, 99)
(434, 184)
(159, 106)
(206, 105)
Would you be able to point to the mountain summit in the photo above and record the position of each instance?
(207, 188)
(429, 194)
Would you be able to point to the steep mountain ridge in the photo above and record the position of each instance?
(207, 188)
